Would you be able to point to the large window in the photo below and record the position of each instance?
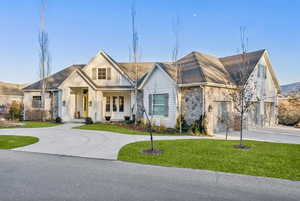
(159, 104)
(36, 102)
(117, 103)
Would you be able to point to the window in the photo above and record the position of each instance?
(115, 103)
(107, 105)
(262, 71)
(36, 102)
(101, 73)
(159, 104)
(104, 74)
(121, 103)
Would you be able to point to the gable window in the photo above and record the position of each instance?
(262, 71)
(36, 101)
(101, 73)
(159, 104)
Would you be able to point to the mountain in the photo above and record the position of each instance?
(288, 89)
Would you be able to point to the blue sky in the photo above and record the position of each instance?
(79, 29)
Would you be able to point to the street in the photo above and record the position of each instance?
(41, 177)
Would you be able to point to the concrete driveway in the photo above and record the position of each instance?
(281, 134)
(63, 140)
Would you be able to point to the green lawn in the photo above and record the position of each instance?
(263, 159)
(12, 141)
(118, 129)
(34, 124)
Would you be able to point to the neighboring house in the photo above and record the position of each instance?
(105, 87)
(8, 93)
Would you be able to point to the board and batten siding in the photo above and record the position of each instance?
(160, 83)
(116, 79)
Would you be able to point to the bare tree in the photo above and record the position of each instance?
(176, 65)
(243, 95)
(44, 58)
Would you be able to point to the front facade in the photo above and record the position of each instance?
(104, 90)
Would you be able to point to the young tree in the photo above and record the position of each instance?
(134, 56)
(44, 58)
(243, 95)
(175, 52)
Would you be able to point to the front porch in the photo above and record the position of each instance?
(101, 106)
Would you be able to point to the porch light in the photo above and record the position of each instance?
(64, 103)
(90, 103)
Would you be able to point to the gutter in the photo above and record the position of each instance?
(196, 84)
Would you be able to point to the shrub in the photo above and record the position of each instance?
(184, 126)
(200, 126)
(15, 110)
(162, 128)
(88, 120)
(58, 120)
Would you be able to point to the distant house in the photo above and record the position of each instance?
(8, 93)
(105, 88)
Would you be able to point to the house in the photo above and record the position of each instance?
(106, 88)
(8, 94)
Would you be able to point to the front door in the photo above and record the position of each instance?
(85, 105)
(114, 107)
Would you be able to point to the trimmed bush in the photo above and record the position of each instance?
(88, 120)
(58, 120)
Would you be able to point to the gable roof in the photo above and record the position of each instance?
(234, 64)
(198, 67)
(56, 79)
(11, 89)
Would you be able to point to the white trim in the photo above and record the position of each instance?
(207, 84)
(116, 66)
(150, 73)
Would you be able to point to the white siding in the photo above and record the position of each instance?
(100, 62)
(158, 83)
(68, 110)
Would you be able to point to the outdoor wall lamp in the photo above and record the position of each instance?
(90, 103)
(64, 103)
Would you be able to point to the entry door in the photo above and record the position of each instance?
(85, 105)
(114, 107)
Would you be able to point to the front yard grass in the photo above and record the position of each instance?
(34, 124)
(12, 141)
(118, 129)
(263, 159)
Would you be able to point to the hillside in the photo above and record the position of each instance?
(11, 89)
(290, 89)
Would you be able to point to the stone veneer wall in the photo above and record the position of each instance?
(192, 105)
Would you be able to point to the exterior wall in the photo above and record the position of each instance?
(100, 62)
(67, 98)
(266, 93)
(159, 83)
(191, 103)
(117, 115)
(29, 111)
(214, 99)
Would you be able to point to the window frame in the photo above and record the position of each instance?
(153, 105)
(37, 104)
(103, 74)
